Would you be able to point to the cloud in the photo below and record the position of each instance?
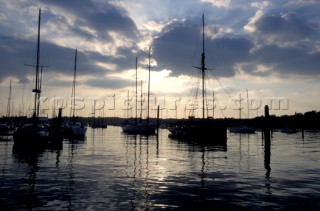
(279, 29)
(101, 17)
(16, 52)
(279, 39)
(277, 44)
(289, 60)
(109, 83)
(175, 49)
(218, 3)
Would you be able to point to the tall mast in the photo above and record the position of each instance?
(149, 66)
(136, 90)
(36, 89)
(73, 94)
(203, 69)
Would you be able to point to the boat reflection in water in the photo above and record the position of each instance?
(160, 180)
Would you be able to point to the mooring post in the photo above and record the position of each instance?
(267, 144)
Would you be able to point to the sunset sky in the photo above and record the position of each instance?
(269, 50)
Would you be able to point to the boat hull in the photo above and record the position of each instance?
(31, 136)
(212, 133)
(74, 132)
(139, 129)
(241, 129)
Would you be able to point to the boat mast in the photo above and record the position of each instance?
(136, 91)
(73, 93)
(36, 89)
(203, 69)
(149, 85)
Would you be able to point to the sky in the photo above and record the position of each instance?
(257, 53)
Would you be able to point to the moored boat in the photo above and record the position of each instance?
(289, 130)
(74, 129)
(144, 126)
(202, 129)
(34, 134)
(241, 129)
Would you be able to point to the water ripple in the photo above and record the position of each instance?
(114, 171)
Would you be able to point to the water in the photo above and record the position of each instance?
(112, 171)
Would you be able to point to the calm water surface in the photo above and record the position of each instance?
(113, 171)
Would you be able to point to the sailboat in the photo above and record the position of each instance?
(204, 129)
(97, 122)
(74, 129)
(34, 134)
(135, 127)
(241, 127)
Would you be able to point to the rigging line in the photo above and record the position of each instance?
(223, 88)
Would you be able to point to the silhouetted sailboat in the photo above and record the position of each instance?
(74, 129)
(202, 130)
(144, 126)
(97, 122)
(34, 134)
(241, 127)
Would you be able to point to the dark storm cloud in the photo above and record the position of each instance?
(11, 60)
(60, 59)
(290, 46)
(289, 60)
(102, 17)
(224, 54)
(174, 49)
(285, 27)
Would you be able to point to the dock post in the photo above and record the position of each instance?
(267, 143)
